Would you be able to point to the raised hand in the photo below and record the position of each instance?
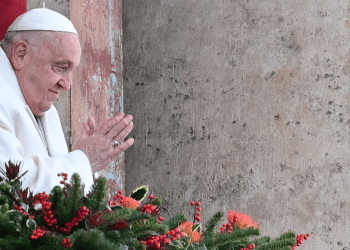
(104, 144)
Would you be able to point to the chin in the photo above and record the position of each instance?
(42, 109)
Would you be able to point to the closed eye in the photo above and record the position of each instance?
(61, 67)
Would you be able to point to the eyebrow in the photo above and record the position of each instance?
(63, 62)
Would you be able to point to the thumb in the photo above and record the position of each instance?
(91, 125)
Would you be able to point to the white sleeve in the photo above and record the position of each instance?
(43, 169)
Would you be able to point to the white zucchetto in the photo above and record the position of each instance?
(42, 19)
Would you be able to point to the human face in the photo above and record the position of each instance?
(47, 69)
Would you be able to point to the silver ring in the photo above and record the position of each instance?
(115, 144)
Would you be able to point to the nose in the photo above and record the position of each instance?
(65, 81)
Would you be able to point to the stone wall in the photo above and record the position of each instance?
(243, 105)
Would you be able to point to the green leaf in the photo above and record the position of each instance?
(157, 202)
(195, 227)
(31, 224)
(140, 193)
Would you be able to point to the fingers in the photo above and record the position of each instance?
(121, 129)
(108, 125)
(122, 147)
(124, 133)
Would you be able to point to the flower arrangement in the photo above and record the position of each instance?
(66, 218)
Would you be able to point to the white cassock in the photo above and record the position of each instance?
(22, 140)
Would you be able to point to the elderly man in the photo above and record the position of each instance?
(37, 57)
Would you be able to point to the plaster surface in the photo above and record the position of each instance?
(243, 105)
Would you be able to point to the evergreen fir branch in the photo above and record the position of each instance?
(57, 199)
(116, 215)
(174, 221)
(98, 192)
(261, 241)
(137, 215)
(75, 195)
(212, 224)
(238, 236)
(124, 237)
(150, 225)
(93, 239)
(277, 244)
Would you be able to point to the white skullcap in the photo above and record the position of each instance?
(42, 19)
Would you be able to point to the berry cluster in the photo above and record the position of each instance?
(252, 246)
(151, 209)
(160, 219)
(300, 239)
(38, 233)
(64, 176)
(155, 242)
(49, 215)
(152, 197)
(67, 243)
(158, 241)
(176, 234)
(20, 209)
(227, 227)
(198, 209)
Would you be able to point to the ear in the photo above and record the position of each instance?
(19, 51)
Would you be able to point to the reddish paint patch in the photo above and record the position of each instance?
(93, 92)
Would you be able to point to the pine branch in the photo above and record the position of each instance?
(92, 240)
(75, 195)
(151, 225)
(212, 224)
(57, 199)
(136, 215)
(174, 221)
(98, 192)
(116, 215)
(283, 242)
(238, 236)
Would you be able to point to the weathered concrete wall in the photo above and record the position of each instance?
(99, 78)
(63, 102)
(243, 105)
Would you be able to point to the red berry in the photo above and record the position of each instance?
(61, 182)
(199, 209)
(198, 203)
(192, 203)
(151, 196)
(120, 191)
(198, 218)
(182, 234)
(58, 174)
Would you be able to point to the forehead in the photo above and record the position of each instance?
(63, 47)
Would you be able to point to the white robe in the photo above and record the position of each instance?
(21, 140)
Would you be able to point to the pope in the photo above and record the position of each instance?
(37, 56)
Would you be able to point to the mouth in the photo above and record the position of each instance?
(56, 92)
